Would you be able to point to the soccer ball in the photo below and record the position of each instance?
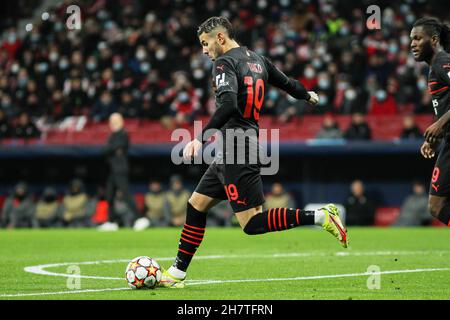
(143, 273)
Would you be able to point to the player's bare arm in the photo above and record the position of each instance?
(435, 131)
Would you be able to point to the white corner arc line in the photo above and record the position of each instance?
(208, 282)
(17, 295)
(39, 269)
(203, 282)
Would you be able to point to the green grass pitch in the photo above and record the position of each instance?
(298, 264)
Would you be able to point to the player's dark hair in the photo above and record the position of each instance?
(433, 26)
(211, 23)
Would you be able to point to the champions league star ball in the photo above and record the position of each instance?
(143, 273)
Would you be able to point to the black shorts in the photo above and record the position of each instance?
(240, 184)
(440, 179)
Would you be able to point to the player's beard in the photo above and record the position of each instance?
(217, 51)
(427, 52)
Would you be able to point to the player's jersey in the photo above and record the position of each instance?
(245, 73)
(439, 83)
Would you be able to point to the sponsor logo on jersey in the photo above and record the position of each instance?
(220, 80)
(255, 67)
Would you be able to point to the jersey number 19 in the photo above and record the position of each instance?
(255, 97)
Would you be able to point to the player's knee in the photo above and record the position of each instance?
(195, 203)
(434, 207)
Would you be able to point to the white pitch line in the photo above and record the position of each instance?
(15, 295)
(207, 282)
(202, 282)
(39, 269)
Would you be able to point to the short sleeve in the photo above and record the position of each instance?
(225, 78)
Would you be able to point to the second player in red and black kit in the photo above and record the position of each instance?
(430, 43)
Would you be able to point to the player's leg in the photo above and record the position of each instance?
(193, 231)
(208, 193)
(438, 203)
(439, 208)
(256, 221)
(246, 198)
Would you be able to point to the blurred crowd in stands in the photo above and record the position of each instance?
(160, 207)
(76, 208)
(143, 59)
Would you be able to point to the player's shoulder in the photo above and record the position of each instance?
(442, 61)
(224, 62)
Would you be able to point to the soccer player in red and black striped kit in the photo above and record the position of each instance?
(430, 42)
(241, 77)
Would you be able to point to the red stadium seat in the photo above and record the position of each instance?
(386, 216)
(299, 129)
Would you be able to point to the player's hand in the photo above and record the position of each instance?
(192, 149)
(314, 98)
(427, 150)
(434, 132)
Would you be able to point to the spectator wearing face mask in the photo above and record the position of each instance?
(270, 102)
(326, 93)
(12, 43)
(309, 78)
(383, 103)
(183, 98)
(354, 101)
(422, 104)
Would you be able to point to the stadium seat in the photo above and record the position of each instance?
(386, 216)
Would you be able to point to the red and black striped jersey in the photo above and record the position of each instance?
(439, 83)
(244, 73)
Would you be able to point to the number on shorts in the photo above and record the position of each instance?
(435, 175)
(232, 193)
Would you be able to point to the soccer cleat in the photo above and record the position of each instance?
(169, 281)
(334, 225)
